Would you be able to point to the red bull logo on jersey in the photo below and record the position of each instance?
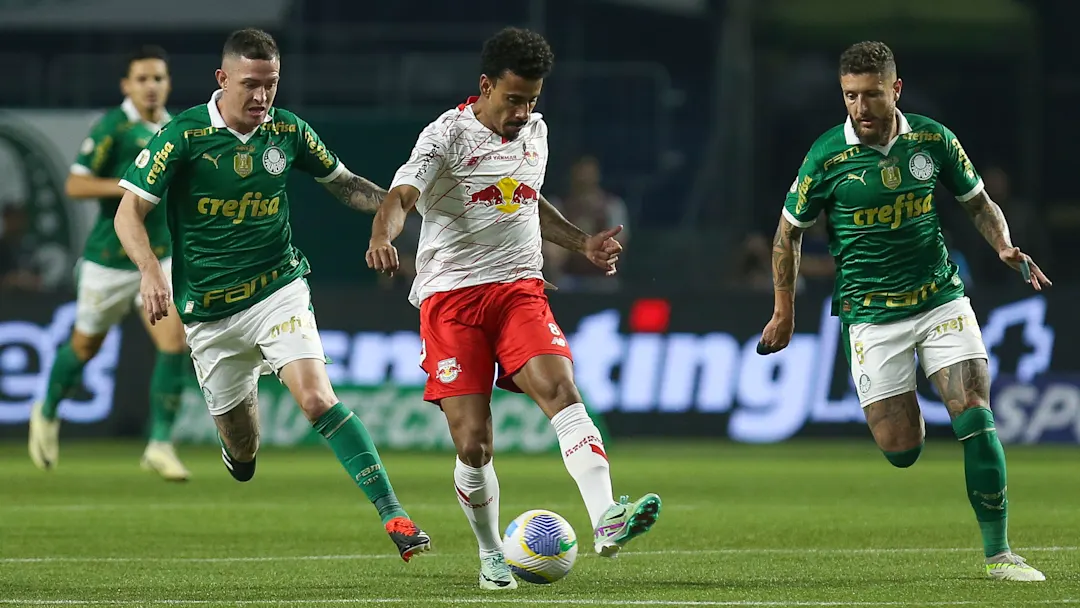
(507, 195)
(905, 207)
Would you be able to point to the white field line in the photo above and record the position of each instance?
(483, 601)
(628, 554)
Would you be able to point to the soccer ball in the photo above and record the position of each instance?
(540, 546)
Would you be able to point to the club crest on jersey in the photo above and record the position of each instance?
(273, 160)
(242, 164)
(890, 177)
(142, 159)
(532, 157)
(921, 166)
(448, 370)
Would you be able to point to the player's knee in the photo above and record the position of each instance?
(316, 401)
(904, 458)
(559, 392)
(474, 451)
(85, 347)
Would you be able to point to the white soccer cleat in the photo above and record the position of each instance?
(160, 457)
(44, 439)
(623, 522)
(1009, 566)
(495, 573)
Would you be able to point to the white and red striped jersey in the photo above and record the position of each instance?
(479, 197)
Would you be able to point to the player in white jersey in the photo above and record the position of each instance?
(475, 177)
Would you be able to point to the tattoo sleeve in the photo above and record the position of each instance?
(356, 192)
(786, 254)
(989, 220)
(557, 229)
(239, 428)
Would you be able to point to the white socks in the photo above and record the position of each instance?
(583, 453)
(478, 492)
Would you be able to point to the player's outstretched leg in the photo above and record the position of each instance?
(965, 389)
(64, 377)
(476, 485)
(548, 379)
(351, 443)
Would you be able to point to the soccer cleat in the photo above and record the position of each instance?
(410, 539)
(241, 471)
(495, 574)
(623, 522)
(161, 458)
(1009, 566)
(44, 439)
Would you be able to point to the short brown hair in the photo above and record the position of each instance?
(868, 57)
(252, 44)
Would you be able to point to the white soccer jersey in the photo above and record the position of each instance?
(479, 197)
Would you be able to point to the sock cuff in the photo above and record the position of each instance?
(973, 422)
(332, 420)
(471, 477)
(570, 417)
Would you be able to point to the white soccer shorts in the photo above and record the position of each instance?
(231, 353)
(883, 354)
(106, 295)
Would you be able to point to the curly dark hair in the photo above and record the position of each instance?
(149, 51)
(519, 51)
(251, 43)
(868, 58)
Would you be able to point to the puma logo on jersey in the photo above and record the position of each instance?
(861, 177)
(213, 159)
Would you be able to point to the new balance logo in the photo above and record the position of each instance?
(473, 161)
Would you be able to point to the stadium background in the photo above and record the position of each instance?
(697, 113)
(695, 137)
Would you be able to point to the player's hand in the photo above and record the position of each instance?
(603, 250)
(777, 334)
(156, 294)
(382, 257)
(1022, 263)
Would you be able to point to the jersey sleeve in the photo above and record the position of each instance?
(313, 157)
(958, 174)
(97, 149)
(805, 199)
(427, 159)
(156, 166)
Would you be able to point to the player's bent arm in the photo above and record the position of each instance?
(989, 219)
(556, 229)
(786, 255)
(90, 186)
(390, 218)
(356, 192)
(130, 226)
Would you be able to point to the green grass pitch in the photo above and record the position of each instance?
(799, 524)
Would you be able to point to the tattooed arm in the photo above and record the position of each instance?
(990, 221)
(786, 253)
(356, 192)
(601, 248)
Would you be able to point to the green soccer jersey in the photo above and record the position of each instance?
(228, 210)
(884, 232)
(114, 141)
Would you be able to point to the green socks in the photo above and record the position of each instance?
(166, 385)
(356, 452)
(65, 376)
(984, 468)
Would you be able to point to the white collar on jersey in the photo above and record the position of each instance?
(218, 122)
(853, 139)
(133, 115)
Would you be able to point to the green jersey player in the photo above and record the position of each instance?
(239, 282)
(108, 282)
(897, 294)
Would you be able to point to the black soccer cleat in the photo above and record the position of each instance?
(410, 539)
(240, 471)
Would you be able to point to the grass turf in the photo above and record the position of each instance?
(802, 523)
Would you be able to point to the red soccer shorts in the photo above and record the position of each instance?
(465, 332)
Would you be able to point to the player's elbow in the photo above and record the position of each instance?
(402, 197)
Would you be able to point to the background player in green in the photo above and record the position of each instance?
(897, 293)
(239, 281)
(108, 281)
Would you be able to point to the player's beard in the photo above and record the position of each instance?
(877, 133)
